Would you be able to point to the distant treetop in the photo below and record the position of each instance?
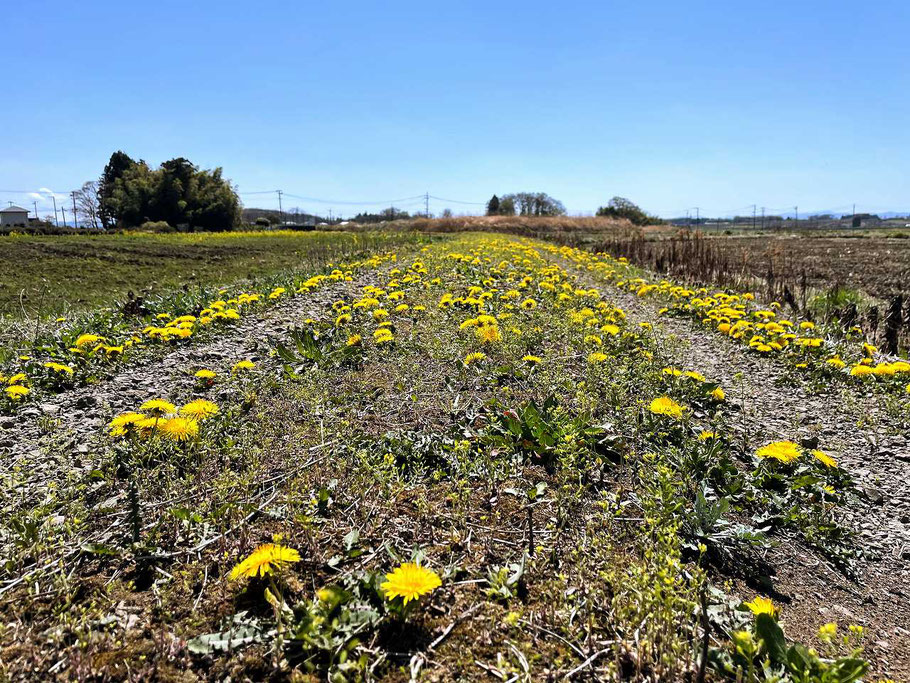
(620, 207)
(525, 204)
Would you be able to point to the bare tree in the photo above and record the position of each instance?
(87, 202)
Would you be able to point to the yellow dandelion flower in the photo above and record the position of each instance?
(410, 581)
(824, 458)
(664, 405)
(199, 409)
(597, 357)
(59, 368)
(158, 406)
(718, 394)
(179, 428)
(762, 605)
(475, 357)
(16, 392)
(827, 632)
(354, 340)
(84, 340)
(204, 374)
(488, 334)
(121, 424)
(707, 436)
(243, 365)
(534, 360)
(266, 559)
(784, 451)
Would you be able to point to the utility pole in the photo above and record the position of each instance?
(36, 209)
(753, 216)
(56, 222)
(426, 205)
(75, 215)
(762, 218)
(280, 212)
(688, 220)
(697, 218)
(796, 214)
(63, 211)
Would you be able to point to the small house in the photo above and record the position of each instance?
(13, 215)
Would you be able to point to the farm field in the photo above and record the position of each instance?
(46, 281)
(472, 457)
(54, 275)
(873, 264)
(878, 266)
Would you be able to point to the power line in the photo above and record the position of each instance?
(381, 202)
(456, 201)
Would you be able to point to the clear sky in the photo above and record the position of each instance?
(674, 105)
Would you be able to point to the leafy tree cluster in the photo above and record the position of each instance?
(620, 207)
(178, 193)
(525, 204)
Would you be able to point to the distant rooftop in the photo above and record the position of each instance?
(13, 209)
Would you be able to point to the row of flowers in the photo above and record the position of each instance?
(78, 356)
(763, 330)
(501, 299)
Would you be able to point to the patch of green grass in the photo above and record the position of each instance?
(835, 299)
(42, 276)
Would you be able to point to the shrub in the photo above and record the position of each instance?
(156, 226)
(620, 207)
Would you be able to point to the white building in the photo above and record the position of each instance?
(13, 215)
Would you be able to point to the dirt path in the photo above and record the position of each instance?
(855, 430)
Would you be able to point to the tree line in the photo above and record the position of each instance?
(176, 194)
(542, 204)
(525, 204)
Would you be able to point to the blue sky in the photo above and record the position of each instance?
(675, 105)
